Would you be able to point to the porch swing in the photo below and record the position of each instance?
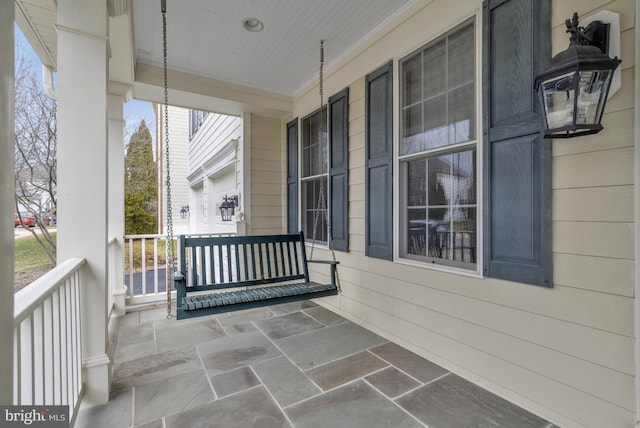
(254, 270)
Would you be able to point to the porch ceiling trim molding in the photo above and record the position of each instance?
(118, 7)
(121, 89)
(220, 96)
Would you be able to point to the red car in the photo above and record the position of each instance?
(28, 220)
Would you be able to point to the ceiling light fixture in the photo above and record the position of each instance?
(253, 24)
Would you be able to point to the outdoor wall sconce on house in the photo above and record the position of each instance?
(574, 88)
(228, 206)
(184, 211)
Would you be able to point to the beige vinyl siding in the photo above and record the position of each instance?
(266, 175)
(566, 353)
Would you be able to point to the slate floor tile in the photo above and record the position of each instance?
(171, 395)
(154, 367)
(416, 366)
(452, 401)
(288, 325)
(355, 405)
(133, 334)
(241, 328)
(286, 382)
(229, 353)
(325, 316)
(232, 318)
(158, 423)
(321, 346)
(172, 335)
(251, 408)
(345, 370)
(115, 413)
(234, 381)
(132, 352)
(285, 308)
(392, 382)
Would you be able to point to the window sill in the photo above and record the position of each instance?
(440, 268)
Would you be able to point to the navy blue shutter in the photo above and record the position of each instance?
(292, 177)
(339, 169)
(379, 163)
(517, 160)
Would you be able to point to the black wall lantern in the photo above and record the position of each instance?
(184, 211)
(573, 89)
(228, 206)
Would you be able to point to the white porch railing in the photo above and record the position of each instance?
(145, 268)
(47, 339)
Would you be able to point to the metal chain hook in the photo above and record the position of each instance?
(170, 256)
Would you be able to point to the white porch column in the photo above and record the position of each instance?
(118, 95)
(7, 194)
(82, 174)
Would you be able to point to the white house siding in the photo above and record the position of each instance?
(266, 176)
(215, 169)
(178, 152)
(567, 352)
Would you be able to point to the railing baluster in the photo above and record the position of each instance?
(143, 255)
(17, 378)
(155, 264)
(131, 267)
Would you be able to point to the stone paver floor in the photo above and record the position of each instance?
(291, 365)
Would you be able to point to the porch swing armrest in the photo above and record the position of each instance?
(180, 287)
(333, 264)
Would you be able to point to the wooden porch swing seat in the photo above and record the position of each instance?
(262, 270)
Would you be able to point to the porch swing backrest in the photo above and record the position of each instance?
(263, 270)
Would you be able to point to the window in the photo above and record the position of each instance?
(315, 150)
(196, 117)
(324, 177)
(438, 162)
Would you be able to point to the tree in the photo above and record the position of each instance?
(141, 184)
(35, 150)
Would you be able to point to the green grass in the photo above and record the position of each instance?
(30, 255)
(137, 254)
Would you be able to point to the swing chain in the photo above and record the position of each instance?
(169, 248)
(321, 206)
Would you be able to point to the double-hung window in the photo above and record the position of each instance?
(438, 151)
(313, 178)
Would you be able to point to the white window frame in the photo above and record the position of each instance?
(399, 212)
(301, 180)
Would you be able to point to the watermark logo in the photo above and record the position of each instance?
(34, 416)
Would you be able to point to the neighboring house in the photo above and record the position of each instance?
(178, 158)
(215, 160)
(461, 233)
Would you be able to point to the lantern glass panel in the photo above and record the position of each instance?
(558, 97)
(594, 87)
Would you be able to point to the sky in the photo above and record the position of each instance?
(134, 111)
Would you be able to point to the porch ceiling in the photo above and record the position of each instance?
(206, 38)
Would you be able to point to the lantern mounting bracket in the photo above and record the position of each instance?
(596, 34)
